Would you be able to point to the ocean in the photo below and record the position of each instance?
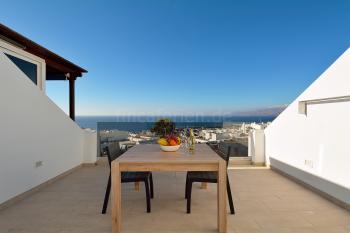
(139, 123)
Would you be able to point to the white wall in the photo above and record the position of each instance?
(317, 143)
(256, 146)
(90, 146)
(32, 128)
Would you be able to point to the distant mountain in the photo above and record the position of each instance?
(268, 111)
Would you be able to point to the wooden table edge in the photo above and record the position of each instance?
(119, 166)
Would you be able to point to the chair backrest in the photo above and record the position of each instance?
(113, 151)
(225, 156)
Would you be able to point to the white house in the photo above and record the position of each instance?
(39, 141)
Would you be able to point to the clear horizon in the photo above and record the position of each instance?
(185, 57)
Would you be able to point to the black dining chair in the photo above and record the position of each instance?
(208, 177)
(113, 151)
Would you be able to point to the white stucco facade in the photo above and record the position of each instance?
(316, 143)
(38, 140)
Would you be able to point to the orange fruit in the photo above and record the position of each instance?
(172, 142)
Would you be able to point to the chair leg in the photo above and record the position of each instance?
(189, 193)
(108, 190)
(151, 185)
(229, 195)
(148, 199)
(186, 188)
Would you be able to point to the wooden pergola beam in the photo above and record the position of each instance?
(57, 67)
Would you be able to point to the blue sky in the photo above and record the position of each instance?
(185, 57)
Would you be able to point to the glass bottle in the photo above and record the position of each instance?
(191, 141)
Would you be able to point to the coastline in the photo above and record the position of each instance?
(91, 121)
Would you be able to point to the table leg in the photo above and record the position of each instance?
(116, 198)
(137, 186)
(222, 218)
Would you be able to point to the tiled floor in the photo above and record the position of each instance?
(265, 202)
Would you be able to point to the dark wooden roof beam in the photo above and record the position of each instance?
(54, 63)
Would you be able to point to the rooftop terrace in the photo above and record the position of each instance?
(265, 202)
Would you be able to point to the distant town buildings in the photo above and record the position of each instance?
(230, 131)
(236, 135)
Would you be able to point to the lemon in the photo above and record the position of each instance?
(163, 142)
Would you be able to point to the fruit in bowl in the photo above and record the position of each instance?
(169, 143)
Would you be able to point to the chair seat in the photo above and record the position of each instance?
(113, 151)
(210, 177)
(134, 176)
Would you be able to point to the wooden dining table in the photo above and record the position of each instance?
(149, 157)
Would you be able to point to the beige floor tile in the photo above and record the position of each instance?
(333, 218)
(265, 202)
(286, 220)
(337, 229)
(304, 230)
(266, 230)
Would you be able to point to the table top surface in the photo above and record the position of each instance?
(152, 153)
